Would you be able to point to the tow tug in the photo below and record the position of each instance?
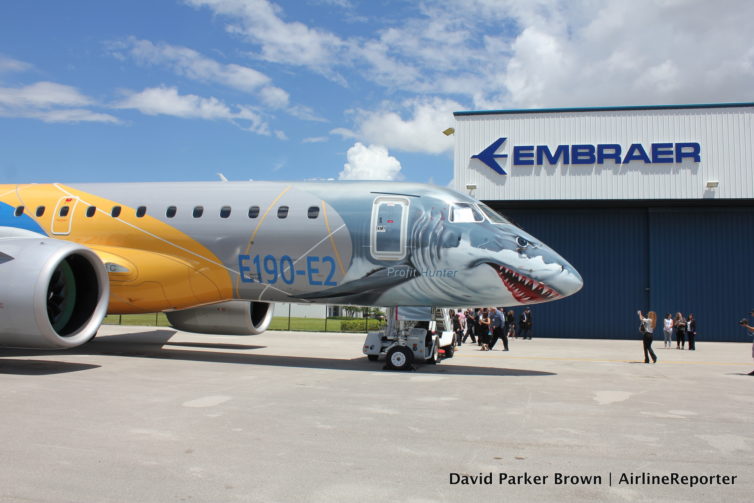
(412, 334)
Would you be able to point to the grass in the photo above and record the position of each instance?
(278, 322)
(147, 320)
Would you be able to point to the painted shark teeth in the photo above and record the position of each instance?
(523, 288)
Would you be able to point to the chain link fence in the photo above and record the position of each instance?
(290, 317)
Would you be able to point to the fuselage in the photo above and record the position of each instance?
(169, 246)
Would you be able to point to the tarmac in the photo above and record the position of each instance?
(145, 414)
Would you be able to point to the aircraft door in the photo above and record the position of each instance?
(389, 228)
(61, 218)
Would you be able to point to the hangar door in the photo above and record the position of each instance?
(608, 247)
(701, 263)
(664, 259)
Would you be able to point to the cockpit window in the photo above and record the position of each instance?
(465, 212)
(494, 216)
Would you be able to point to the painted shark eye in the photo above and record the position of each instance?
(522, 242)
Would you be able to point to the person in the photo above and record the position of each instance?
(691, 332)
(524, 323)
(496, 324)
(470, 326)
(646, 328)
(462, 322)
(667, 330)
(748, 327)
(510, 320)
(484, 329)
(477, 325)
(455, 322)
(680, 331)
(503, 333)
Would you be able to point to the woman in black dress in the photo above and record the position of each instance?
(680, 331)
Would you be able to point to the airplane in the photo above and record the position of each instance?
(214, 255)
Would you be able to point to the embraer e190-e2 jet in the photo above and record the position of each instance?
(215, 255)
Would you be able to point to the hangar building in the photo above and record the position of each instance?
(653, 205)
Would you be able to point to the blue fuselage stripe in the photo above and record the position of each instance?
(8, 219)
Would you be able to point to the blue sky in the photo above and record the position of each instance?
(130, 90)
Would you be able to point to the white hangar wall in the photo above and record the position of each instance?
(644, 234)
(723, 135)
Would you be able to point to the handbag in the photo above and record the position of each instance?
(642, 329)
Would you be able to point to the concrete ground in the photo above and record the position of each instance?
(154, 415)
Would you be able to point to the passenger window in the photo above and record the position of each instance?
(283, 212)
(19, 211)
(253, 211)
(198, 211)
(141, 211)
(465, 212)
(90, 211)
(40, 211)
(171, 211)
(64, 211)
(313, 212)
(225, 212)
(115, 213)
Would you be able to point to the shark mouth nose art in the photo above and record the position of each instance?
(523, 288)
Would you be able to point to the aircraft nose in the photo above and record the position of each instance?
(573, 282)
(569, 281)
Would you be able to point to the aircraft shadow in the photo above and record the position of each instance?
(156, 344)
(40, 367)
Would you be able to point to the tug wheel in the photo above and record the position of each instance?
(399, 358)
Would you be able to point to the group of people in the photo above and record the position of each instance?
(485, 326)
(684, 328)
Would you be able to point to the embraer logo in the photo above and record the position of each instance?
(488, 156)
(601, 153)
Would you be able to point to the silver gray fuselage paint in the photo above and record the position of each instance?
(365, 243)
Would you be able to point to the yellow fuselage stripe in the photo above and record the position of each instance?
(332, 239)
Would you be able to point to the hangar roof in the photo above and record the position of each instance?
(602, 109)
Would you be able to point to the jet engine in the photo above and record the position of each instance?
(233, 317)
(53, 294)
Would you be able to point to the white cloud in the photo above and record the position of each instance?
(514, 54)
(193, 65)
(8, 65)
(49, 102)
(315, 139)
(583, 54)
(71, 115)
(280, 41)
(370, 163)
(166, 101)
(43, 94)
(420, 132)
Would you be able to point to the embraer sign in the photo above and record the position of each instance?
(602, 153)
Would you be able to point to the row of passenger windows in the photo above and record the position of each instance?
(170, 212)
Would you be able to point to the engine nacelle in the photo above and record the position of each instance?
(234, 317)
(53, 294)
